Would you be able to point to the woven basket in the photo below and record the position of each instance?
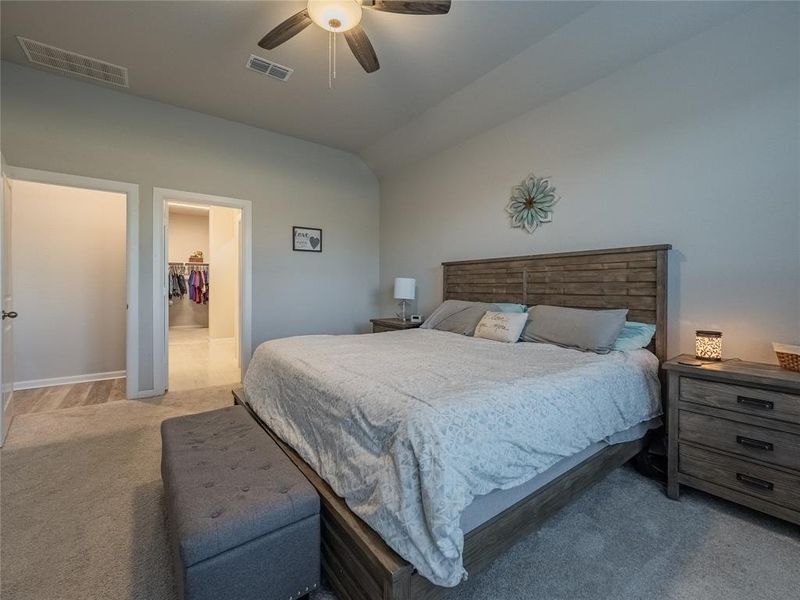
(788, 356)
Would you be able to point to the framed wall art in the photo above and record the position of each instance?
(306, 239)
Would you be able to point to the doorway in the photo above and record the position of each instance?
(68, 273)
(87, 358)
(202, 325)
(202, 303)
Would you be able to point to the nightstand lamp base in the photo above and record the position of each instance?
(402, 314)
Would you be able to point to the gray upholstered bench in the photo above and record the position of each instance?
(243, 521)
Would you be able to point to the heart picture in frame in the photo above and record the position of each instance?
(306, 239)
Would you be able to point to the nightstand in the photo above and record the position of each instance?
(733, 430)
(381, 325)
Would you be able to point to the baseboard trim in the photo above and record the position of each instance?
(143, 394)
(39, 383)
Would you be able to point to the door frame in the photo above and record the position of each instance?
(160, 315)
(131, 191)
(6, 407)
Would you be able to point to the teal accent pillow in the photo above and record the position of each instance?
(511, 308)
(634, 336)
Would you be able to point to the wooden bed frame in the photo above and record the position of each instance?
(356, 562)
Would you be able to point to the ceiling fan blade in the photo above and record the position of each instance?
(362, 48)
(286, 30)
(404, 7)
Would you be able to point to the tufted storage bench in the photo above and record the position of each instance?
(243, 521)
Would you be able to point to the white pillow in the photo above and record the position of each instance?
(501, 326)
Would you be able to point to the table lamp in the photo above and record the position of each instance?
(405, 291)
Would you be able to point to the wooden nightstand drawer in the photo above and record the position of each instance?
(747, 400)
(768, 445)
(380, 329)
(749, 478)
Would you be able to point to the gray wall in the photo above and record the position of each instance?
(58, 124)
(696, 146)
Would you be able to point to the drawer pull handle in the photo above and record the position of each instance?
(755, 481)
(756, 403)
(751, 443)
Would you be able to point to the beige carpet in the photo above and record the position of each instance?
(81, 514)
(82, 519)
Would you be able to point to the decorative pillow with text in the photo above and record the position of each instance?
(501, 326)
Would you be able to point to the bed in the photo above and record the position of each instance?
(411, 426)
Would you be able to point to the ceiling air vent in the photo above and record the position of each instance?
(270, 69)
(72, 62)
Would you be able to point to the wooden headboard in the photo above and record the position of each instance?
(634, 278)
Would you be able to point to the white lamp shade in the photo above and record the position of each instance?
(405, 288)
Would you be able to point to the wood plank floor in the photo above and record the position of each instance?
(195, 362)
(67, 396)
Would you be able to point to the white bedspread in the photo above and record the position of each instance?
(409, 426)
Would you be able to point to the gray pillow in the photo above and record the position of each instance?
(458, 316)
(594, 330)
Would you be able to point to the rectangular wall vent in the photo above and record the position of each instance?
(72, 62)
(270, 69)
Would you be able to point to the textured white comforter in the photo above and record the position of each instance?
(409, 426)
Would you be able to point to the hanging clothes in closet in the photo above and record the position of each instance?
(186, 278)
(176, 282)
(188, 290)
(199, 286)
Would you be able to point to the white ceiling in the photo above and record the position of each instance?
(192, 54)
(442, 78)
(595, 44)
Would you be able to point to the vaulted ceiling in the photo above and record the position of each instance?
(446, 75)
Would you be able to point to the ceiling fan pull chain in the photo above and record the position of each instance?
(331, 58)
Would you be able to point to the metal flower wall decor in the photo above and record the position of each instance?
(532, 203)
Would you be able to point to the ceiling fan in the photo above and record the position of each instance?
(344, 16)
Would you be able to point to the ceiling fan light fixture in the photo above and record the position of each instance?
(335, 15)
(344, 16)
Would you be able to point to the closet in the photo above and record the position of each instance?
(188, 270)
(188, 289)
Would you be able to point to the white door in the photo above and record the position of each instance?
(8, 314)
